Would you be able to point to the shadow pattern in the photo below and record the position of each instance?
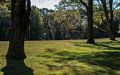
(100, 45)
(16, 67)
(108, 60)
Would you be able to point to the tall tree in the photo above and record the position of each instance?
(20, 11)
(88, 4)
(108, 8)
(89, 8)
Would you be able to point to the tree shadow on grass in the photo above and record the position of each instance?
(104, 59)
(108, 47)
(16, 67)
(108, 60)
(100, 45)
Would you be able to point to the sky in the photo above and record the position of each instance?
(45, 3)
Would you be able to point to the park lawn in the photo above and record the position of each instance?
(65, 57)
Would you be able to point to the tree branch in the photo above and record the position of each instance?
(84, 4)
(116, 6)
(101, 29)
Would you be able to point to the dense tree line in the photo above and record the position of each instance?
(62, 23)
(4, 21)
(71, 17)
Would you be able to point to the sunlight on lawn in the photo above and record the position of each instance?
(68, 57)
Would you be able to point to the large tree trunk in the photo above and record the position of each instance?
(90, 22)
(112, 34)
(19, 23)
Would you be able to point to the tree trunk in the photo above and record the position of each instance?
(112, 37)
(112, 34)
(109, 17)
(19, 24)
(90, 22)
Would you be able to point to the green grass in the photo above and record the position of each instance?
(65, 57)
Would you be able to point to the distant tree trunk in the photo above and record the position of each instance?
(90, 22)
(109, 17)
(19, 23)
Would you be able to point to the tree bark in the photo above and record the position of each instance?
(19, 23)
(90, 22)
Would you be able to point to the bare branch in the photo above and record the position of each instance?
(84, 4)
(101, 29)
(116, 6)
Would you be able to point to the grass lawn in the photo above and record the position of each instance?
(65, 57)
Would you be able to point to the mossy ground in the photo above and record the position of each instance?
(64, 57)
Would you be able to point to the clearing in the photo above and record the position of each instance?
(64, 57)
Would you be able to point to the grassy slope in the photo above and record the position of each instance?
(68, 57)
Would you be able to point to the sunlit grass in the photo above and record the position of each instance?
(69, 57)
